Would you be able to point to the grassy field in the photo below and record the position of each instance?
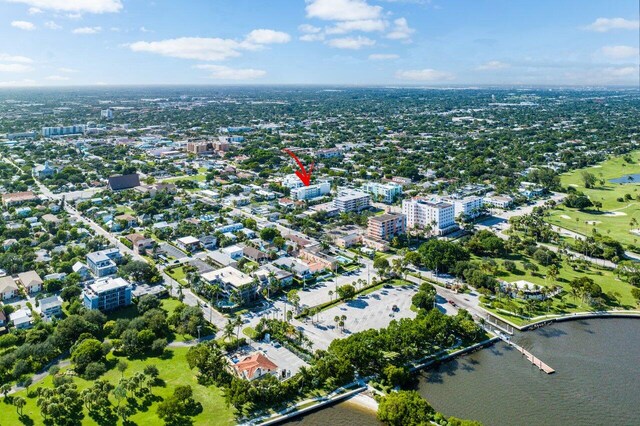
(615, 217)
(174, 370)
(178, 274)
(617, 292)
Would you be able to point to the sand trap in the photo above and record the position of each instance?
(615, 214)
(574, 185)
(635, 231)
(564, 216)
(592, 222)
(596, 167)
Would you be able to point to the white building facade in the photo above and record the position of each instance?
(384, 192)
(422, 213)
(351, 200)
(311, 191)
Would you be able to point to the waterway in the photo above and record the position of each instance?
(597, 380)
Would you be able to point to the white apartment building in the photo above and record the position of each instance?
(351, 200)
(422, 213)
(292, 182)
(499, 201)
(384, 192)
(106, 114)
(311, 191)
(469, 207)
(48, 132)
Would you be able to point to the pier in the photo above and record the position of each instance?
(532, 359)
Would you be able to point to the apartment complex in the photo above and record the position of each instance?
(422, 213)
(311, 191)
(232, 280)
(351, 200)
(383, 192)
(103, 263)
(49, 132)
(207, 147)
(386, 226)
(108, 294)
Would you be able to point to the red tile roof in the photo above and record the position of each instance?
(250, 364)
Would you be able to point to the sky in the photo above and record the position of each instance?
(341, 42)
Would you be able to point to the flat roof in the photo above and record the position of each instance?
(108, 284)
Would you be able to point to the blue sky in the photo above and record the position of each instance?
(390, 42)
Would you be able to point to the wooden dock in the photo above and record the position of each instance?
(530, 357)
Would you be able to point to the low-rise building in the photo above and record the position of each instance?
(468, 207)
(51, 306)
(21, 318)
(103, 263)
(107, 294)
(31, 281)
(188, 243)
(500, 201)
(351, 200)
(386, 226)
(232, 281)
(8, 288)
(271, 272)
(310, 192)
(14, 198)
(383, 192)
(255, 366)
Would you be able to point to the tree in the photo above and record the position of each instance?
(19, 403)
(425, 297)
(588, 179)
(346, 292)
(381, 264)
(148, 302)
(635, 292)
(86, 352)
(179, 407)
(442, 255)
(5, 389)
(268, 234)
(404, 408)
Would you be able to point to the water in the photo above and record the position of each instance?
(597, 380)
(635, 178)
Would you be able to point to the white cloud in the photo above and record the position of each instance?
(34, 11)
(621, 72)
(400, 30)
(220, 72)
(205, 49)
(57, 78)
(365, 25)
(312, 37)
(144, 29)
(383, 56)
(210, 49)
(602, 25)
(87, 30)
(23, 25)
(17, 83)
(15, 68)
(342, 10)
(88, 6)
(492, 66)
(67, 70)
(12, 58)
(52, 25)
(262, 36)
(353, 43)
(427, 74)
(620, 52)
(309, 29)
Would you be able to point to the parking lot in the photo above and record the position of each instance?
(170, 250)
(365, 312)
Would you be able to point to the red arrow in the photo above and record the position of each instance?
(304, 176)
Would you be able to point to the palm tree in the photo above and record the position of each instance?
(5, 389)
(331, 294)
(19, 402)
(227, 332)
(238, 323)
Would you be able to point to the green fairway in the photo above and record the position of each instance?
(616, 218)
(174, 370)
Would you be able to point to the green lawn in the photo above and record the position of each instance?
(174, 370)
(615, 216)
(178, 274)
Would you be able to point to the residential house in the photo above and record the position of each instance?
(255, 254)
(232, 281)
(298, 268)
(18, 197)
(21, 318)
(255, 366)
(234, 252)
(51, 306)
(270, 271)
(140, 243)
(8, 288)
(31, 281)
(188, 243)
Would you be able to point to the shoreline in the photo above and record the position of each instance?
(568, 317)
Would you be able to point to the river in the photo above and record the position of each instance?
(597, 380)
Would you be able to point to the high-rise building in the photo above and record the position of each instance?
(107, 114)
(351, 200)
(422, 213)
(468, 207)
(49, 132)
